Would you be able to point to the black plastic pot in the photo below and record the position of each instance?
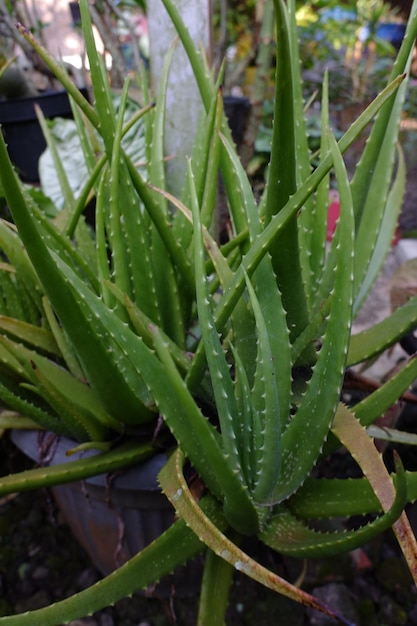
(21, 130)
(74, 8)
(113, 518)
(237, 110)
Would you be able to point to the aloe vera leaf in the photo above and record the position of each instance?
(326, 498)
(376, 205)
(170, 311)
(239, 193)
(215, 588)
(84, 197)
(63, 246)
(374, 234)
(244, 434)
(78, 423)
(142, 278)
(173, 306)
(242, 191)
(37, 337)
(11, 419)
(176, 489)
(10, 358)
(106, 374)
(155, 164)
(85, 133)
(76, 394)
(295, 203)
(164, 227)
(288, 535)
(241, 318)
(120, 457)
(17, 399)
(85, 243)
(385, 234)
(244, 327)
(205, 164)
(372, 407)
(99, 81)
(66, 190)
(61, 341)
(374, 340)
(370, 191)
(261, 245)
(11, 303)
(200, 71)
(267, 292)
(222, 383)
(27, 303)
(312, 331)
(282, 180)
(63, 393)
(121, 267)
(353, 435)
(307, 222)
(302, 151)
(322, 498)
(12, 247)
(130, 235)
(361, 179)
(126, 349)
(94, 164)
(304, 436)
(198, 437)
(314, 219)
(102, 257)
(60, 74)
(141, 324)
(207, 168)
(266, 402)
(392, 435)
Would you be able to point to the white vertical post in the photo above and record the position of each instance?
(184, 104)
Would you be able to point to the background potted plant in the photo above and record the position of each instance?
(241, 350)
(26, 80)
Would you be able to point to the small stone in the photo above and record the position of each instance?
(40, 573)
(87, 578)
(37, 601)
(336, 597)
(106, 620)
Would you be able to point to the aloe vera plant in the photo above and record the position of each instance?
(241, 349)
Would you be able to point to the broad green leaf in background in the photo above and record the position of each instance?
(68, 144)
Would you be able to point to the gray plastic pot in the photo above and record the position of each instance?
(113, 518)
